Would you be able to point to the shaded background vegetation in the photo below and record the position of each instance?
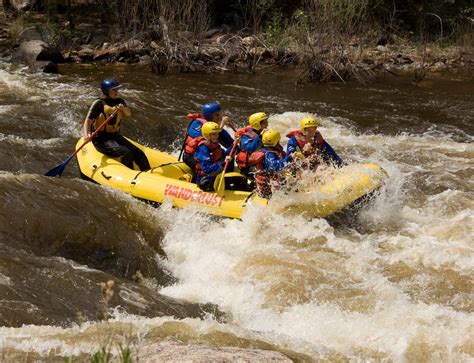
(327, 39)
(423, 19)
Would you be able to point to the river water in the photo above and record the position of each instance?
(393, 283)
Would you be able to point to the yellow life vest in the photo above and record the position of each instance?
(114, 124)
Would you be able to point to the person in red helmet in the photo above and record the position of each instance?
(109, 141)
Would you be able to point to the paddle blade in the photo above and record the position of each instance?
(58, 169)
(220, 190)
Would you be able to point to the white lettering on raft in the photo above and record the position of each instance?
(192, 195)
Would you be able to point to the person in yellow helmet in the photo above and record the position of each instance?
(109, 141)
(250, 141)
(210, 157)
(309, 143)
(270, 161)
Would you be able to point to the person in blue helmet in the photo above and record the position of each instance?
(210, 112)
(109, 141)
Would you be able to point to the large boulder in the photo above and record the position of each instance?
(38, 55)
(37, 32)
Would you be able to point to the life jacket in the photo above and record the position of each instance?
(113, 125)
(190, 146)
(264, 177)
(215, 150)
(243, 156)
(316, 142)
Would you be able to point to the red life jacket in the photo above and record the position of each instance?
(316, 142)
(264, 177)
(191, 146)
(243, 156)
(215, 150)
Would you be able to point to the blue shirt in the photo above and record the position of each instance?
(327, 151)
(204, 158)
(250, 144)
(194, 130)
(273, 163)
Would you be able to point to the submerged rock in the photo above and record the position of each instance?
(172, 351)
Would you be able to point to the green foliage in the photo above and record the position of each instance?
(14, 30)
(63, 36)
(342, 16)
(274, 31)
(281, 32)
(105, 356)
(102, 356)
(125, 354)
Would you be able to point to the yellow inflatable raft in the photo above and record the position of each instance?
(170, 179)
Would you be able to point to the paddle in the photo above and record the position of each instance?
(221, 186)
(58, 169)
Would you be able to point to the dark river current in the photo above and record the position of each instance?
(393, 283)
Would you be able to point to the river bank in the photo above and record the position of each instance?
(220, 50)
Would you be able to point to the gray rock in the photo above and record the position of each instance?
(145, 59)
(105, 53)
(37, 32)
(47, 67)
(86, 53)
(213, 51)
(22, 5)
(260, 52)
(249, 41)
(210, 33)
(36, 50)
(98, 39)
(134, 43)
(173, 351)
(155, 45)
(222, 39)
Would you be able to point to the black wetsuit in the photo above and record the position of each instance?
(109, 141)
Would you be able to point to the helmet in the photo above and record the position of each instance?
(256, 120)
(209, 109)
(308, 121)
(209, 128)
(271, 138)
(108, 84)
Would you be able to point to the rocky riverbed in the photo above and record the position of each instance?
(220, 50)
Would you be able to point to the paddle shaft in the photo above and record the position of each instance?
(226, 164)
(101, 126)
(58, 169)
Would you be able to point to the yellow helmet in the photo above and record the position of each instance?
(209, 128)
(256, 120)
(308, 121)
(271, 138)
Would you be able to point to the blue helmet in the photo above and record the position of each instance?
(209, 109)
(108, 84)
